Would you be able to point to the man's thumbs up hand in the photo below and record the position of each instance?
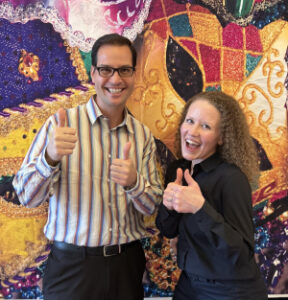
(126, 151)
(61, 117)
(63, 140)
(122, 171)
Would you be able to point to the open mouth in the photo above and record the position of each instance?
(192, 144)
(114, 91)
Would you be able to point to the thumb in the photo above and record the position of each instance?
(61, 117)
(179, 176)
(126, 150)
(190, 181)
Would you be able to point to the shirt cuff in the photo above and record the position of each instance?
(138, 188)
(44, 169)
(168, 212)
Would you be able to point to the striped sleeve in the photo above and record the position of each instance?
(147, 193)
(33, 182)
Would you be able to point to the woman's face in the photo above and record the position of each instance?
(200, 131)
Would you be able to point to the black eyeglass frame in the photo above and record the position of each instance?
(115, 69)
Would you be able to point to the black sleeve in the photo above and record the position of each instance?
(167, 221)
(232, 230)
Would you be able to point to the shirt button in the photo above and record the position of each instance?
(51, 192)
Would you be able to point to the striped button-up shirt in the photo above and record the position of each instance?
(85, 206)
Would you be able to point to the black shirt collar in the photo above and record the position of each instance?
(206, 165)
(211, 162)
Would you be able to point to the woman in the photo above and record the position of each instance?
(207, 202)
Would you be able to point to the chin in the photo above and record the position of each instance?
(189, 156)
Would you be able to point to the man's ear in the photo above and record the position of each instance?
(92, 70)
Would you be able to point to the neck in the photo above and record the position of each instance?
(114, 114)
(115, 118)
(196, 161)
(193, 163)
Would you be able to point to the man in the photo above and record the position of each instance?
(95, 164)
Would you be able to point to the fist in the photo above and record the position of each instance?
(62, 141)
(122, 171)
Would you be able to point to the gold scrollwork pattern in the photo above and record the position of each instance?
(268, 68)
(246, 100)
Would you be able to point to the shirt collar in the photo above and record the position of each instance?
(211, 162)
(206, 165)
(94, 113)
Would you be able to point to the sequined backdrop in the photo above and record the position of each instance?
(185, 46)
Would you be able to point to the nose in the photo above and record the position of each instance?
(194, 129)
(115, 77)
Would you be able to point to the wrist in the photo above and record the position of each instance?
(50, 161)
(129, 187)
(200, 205)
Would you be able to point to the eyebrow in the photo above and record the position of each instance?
(123, 66)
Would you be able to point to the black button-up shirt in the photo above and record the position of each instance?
(217, 242)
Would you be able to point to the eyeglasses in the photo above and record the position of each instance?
(109, 71)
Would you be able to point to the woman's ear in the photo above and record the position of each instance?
(220, 141)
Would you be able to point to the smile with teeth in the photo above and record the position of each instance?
(114, 91)
(191, 143)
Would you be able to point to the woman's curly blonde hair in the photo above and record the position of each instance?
(238, 147)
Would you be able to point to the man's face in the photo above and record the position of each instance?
(113, 92)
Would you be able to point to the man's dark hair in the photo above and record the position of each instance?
(112, 39)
